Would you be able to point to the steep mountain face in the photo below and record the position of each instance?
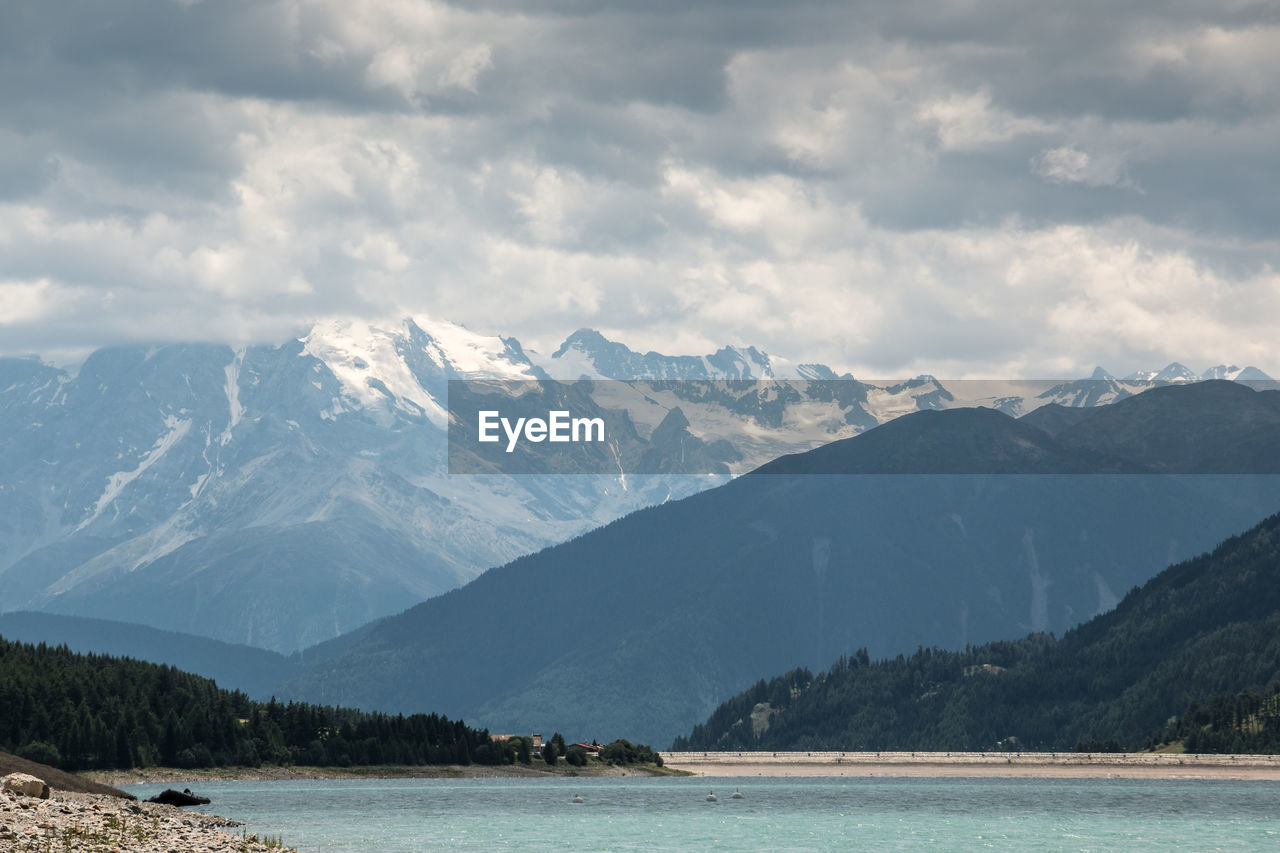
(641, 627)
(1205, 628)
(274, 496)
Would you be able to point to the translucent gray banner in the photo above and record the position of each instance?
(847, 426)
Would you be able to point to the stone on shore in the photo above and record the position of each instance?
(89, 823)
(26, 785)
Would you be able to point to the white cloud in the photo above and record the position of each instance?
(464, 69)
(1068, 165)
(877, 188)
(23, 302)
(969, 121)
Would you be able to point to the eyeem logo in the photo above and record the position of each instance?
(556, 427)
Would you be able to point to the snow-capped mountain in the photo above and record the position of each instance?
(275, 496)
(590, 355)
(1235, 374)
(1176, 372)
(1102, 388)
(281, 495)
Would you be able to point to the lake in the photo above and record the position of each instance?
(621, 814)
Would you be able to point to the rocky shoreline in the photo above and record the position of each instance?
(539, 770)
(94, 823)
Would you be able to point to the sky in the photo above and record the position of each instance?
(958, 187)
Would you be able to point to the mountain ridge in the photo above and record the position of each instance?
(684, 600)
(164, 484)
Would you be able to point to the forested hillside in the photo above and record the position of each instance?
(1245, 722)
(81, 712)
(1166, 664)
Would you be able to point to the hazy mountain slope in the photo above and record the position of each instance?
(639, 628)
(958, 441)
(1230, 429)
(1053, 418)
(1204, 628)
(235, 667)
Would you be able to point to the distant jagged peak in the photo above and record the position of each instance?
(595, 347)
(741, 363)
(467, 354)
(1177, 372)
(453, 347)
(389, 366)
(923, 380)
(368, 361)
(1221, 371)
(586, 340)
(1102, 387)
(817, 373)
(1172, 372)
(589, 353)
(1236, 374)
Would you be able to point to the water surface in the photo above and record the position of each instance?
(621, 814)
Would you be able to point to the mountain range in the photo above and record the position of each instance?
(937, 528)
(275, 496)
(280, 496)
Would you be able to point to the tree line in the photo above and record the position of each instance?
(1245, 722)
(85, 712)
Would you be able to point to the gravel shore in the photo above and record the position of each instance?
(92, 823)
(537, 770)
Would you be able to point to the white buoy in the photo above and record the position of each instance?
(737, 795)
(711, 798)
(577, 799)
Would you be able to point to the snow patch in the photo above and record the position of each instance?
(471, 355)
(198, 485)
(1107, 599)
(356, 352)
(232, 388)
(573, 363)
(117, 481)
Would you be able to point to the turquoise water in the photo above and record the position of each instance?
(623, 814)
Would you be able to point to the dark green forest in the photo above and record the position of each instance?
(1246, 722)
(1193, 656)
(83, 712)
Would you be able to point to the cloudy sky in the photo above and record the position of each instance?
(968, 188)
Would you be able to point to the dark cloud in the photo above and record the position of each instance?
(874, 183)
